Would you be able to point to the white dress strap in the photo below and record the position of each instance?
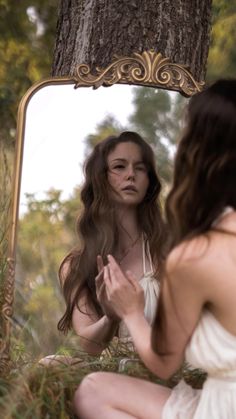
(144, 247)
(226, 210)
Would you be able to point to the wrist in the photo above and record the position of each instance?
(133, 317)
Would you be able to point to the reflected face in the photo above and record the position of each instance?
(127, 174)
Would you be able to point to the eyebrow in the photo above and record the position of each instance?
(120, 159)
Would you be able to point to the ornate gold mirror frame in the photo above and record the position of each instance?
(146, 69)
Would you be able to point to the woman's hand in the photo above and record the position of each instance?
(124, 293)
(102, 293)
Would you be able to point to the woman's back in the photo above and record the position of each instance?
(211, 348)
(210, 261)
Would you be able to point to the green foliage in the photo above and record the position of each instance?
(45, 236)
(158, 117)
(222, 54)
(26, 45)
(107, 127)
(27, 29)
(5, 186)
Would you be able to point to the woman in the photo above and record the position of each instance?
(196, 317)
(122, 216)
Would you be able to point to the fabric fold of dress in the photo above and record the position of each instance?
(213, 349)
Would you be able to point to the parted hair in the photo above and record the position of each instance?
(97, 226)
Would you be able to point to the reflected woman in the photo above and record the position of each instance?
(121, 216)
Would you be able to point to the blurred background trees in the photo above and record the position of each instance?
(222, 54)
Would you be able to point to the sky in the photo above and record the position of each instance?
(58, 118)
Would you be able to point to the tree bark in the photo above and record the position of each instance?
(93, 31)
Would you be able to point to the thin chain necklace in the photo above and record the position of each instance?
(126, 252)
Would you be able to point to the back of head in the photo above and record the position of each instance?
(205, 165)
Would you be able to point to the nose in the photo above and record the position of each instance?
(130, 173)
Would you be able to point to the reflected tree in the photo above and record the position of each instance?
(158, 117)
(108, 126)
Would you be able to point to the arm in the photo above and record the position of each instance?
(95, 333)
(183, 298)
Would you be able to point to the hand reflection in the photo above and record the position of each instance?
(123, 291)
(101, 292)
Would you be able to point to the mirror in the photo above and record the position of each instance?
(42, 121)
(54, 151)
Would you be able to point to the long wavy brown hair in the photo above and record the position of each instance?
(97, 226)
(204, 173)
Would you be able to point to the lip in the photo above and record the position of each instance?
(130, 188)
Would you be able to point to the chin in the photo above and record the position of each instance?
(130, 203)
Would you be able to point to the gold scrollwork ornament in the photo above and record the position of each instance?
(148, 69)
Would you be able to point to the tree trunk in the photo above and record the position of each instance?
(93, 31)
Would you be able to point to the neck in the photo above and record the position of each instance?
(129, 229)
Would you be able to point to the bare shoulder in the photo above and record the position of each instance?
(187, 254)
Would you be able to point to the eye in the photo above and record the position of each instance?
(141, 168)
(118, 166)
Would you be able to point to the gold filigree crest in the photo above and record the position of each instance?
(149, 69)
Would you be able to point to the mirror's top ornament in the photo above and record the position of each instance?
(147, 69)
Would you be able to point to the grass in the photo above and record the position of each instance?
(33, 391)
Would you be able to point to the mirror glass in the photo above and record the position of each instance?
(62, 124)
(58, 120)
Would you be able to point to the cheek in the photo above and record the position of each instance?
(112, 180)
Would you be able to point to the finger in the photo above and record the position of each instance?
(113, 261)
(107, 281)
(106, 276)
(100, 291)
(99, 280)
(114, 264)
(100, 264)
(99, 277)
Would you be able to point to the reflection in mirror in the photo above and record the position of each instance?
(61, 127)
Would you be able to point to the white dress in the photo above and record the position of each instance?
(151, 289)
(213, 349)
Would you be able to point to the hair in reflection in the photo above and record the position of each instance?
(204, 172)
(97, 226)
